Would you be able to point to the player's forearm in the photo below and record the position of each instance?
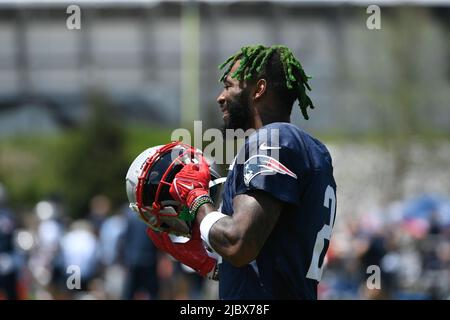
(227, 239)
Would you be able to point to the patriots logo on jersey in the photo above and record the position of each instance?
(261, 164)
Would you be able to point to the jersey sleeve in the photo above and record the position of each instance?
(272, 165)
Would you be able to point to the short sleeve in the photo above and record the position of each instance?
(268, 162)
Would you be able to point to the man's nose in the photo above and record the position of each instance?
(221, 99)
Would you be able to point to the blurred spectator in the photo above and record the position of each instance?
(109, 236)
(408, 240)
(45, 261)
(80, 248)
(111, 232)
(139, 257)
(8, 265)
(100, 206)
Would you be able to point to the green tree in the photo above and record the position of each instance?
(94, 162)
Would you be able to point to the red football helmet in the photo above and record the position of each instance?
(148, 182)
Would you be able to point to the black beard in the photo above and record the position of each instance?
(239, 113)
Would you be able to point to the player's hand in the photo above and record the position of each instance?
(191, 253)
(191, 182)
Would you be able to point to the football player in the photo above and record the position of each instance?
(273, 229)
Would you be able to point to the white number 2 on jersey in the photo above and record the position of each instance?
(314, 271)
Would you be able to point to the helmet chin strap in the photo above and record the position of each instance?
(212, 183)
(178, 239)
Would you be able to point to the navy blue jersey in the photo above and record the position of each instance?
(294, 167)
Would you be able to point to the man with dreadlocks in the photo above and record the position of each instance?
(279, 199)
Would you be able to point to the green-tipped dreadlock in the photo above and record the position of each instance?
(255, 58)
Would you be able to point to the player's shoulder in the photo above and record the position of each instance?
(285, 128)
(281, 134)
(287, 136)
(297, 142)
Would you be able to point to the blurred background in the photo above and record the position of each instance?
(77, 106)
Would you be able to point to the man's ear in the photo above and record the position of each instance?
(260, 88)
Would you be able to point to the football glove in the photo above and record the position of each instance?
(191, 253)
(191, 183)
